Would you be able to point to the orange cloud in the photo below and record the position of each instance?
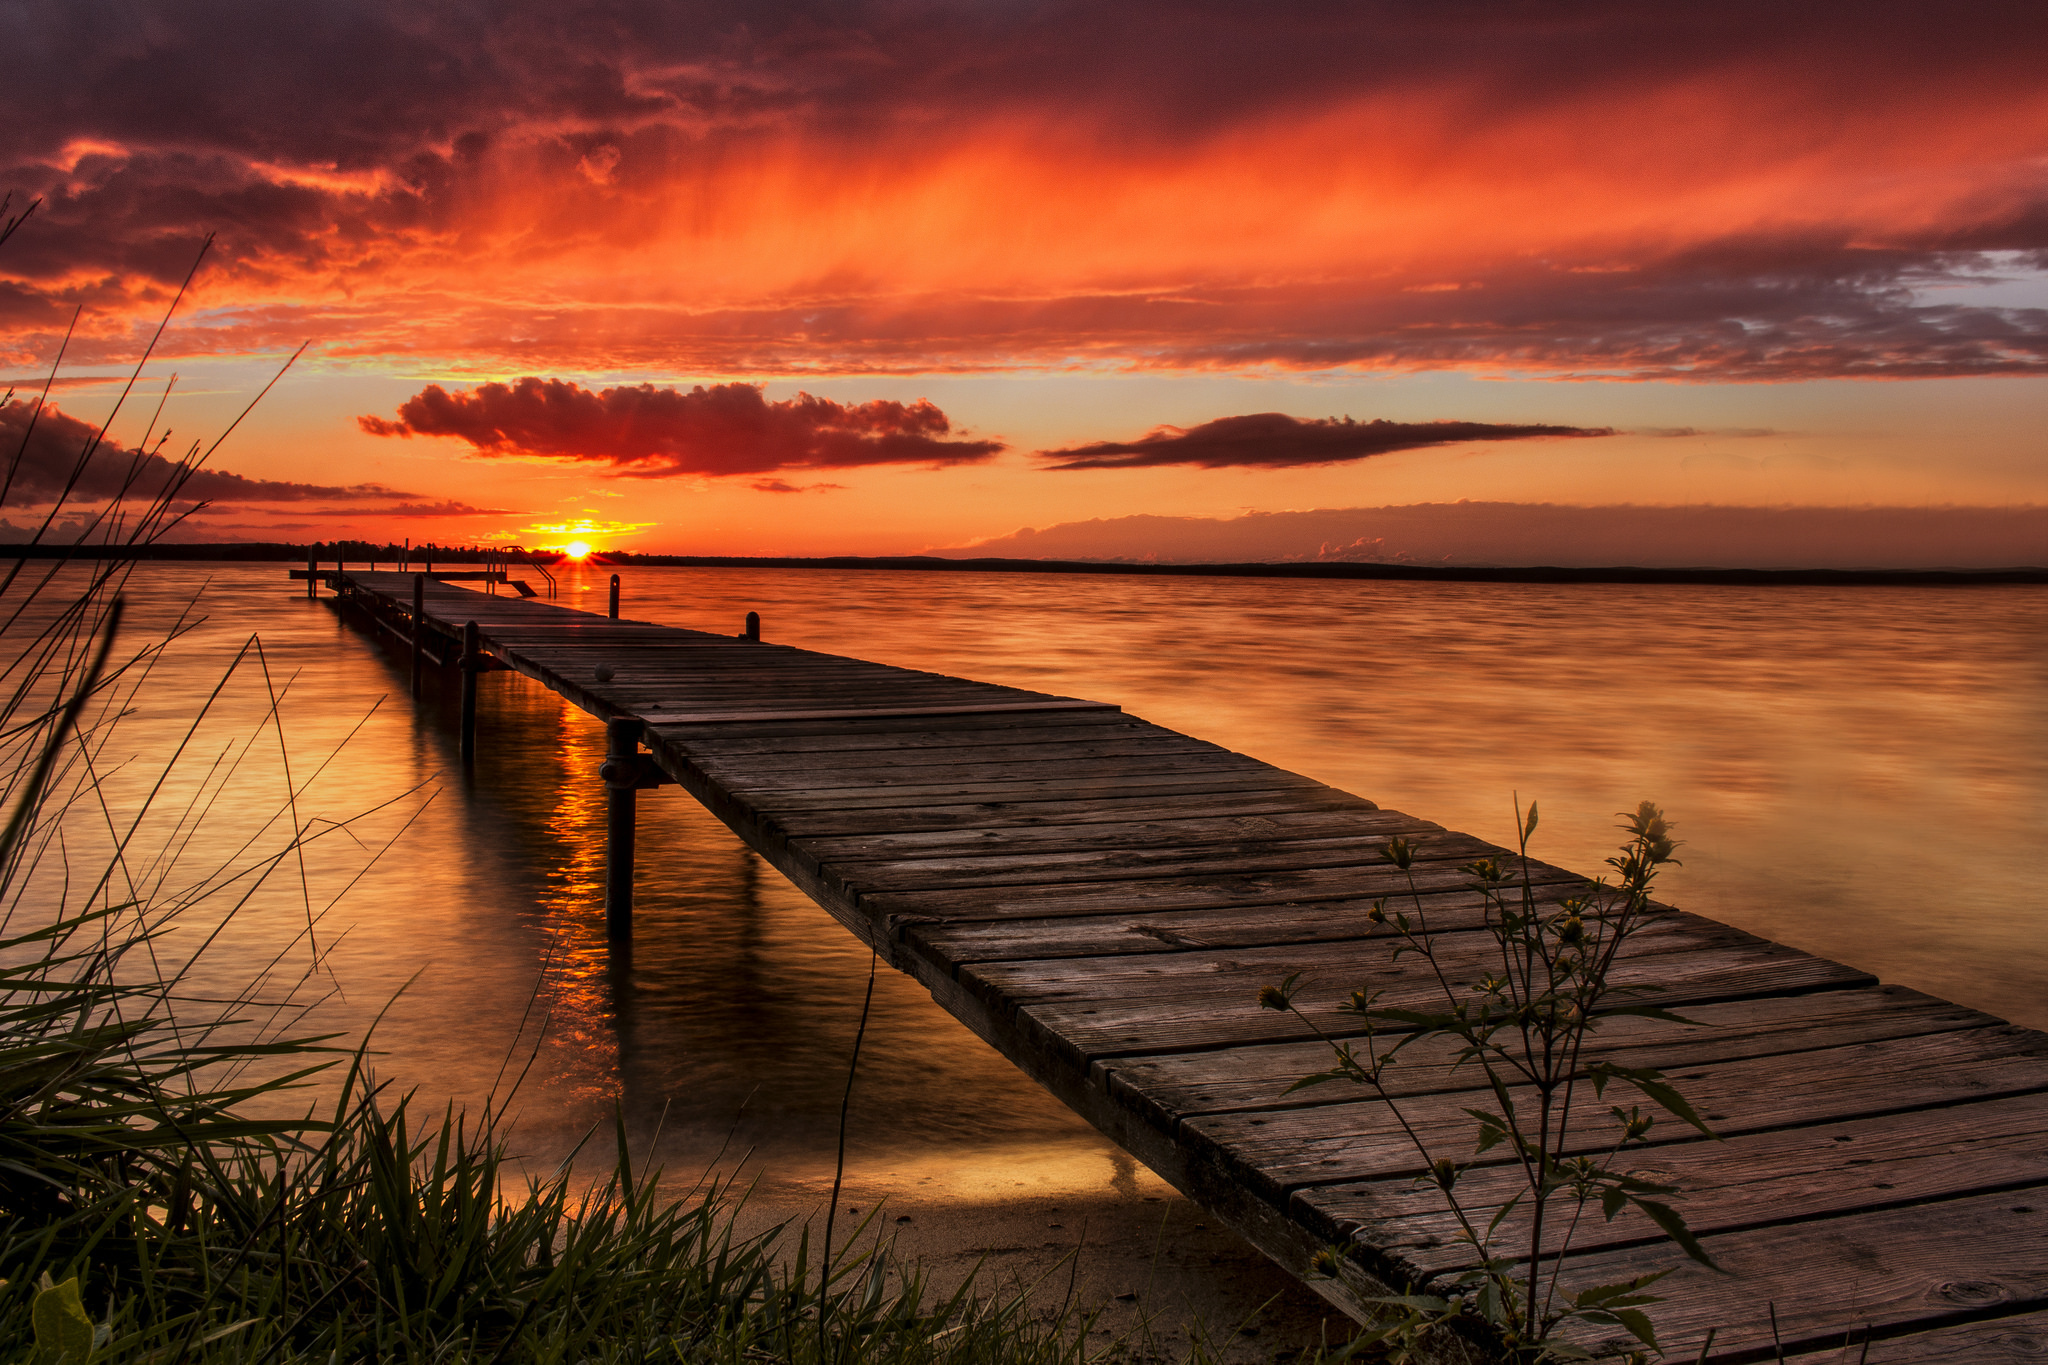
(1746, 192)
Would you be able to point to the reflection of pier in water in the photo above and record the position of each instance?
(699, 1031)
(1100, 899)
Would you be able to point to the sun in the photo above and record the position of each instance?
(577, 549)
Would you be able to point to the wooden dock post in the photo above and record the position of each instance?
(753, 631)
(419, 615)
(615, 597)
(621, 772)
(312, 571)
(471, 664)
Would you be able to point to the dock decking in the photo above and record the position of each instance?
(1101, 899)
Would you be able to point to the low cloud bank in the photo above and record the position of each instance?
(55, 440)
(1503, 534)
(1274, 440)
(643, 430)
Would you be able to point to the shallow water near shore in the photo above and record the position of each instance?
(1860, 772)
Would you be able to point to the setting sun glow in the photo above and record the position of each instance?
(577, 549)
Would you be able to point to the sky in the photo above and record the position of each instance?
(887, 277)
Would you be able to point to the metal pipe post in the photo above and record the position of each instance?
(615, 597)
(419, 630)
(621, 769)
(754, 626)
(471, 664)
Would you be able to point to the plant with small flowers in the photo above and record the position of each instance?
(1526, 1025)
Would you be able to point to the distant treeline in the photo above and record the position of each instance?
(365, 553)
(260, 551)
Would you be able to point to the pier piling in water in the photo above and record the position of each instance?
(621, 773)
(419, 616)
(615, 598)
(471, 664)
(753, 630)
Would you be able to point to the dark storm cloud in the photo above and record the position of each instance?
(352, 150)
(1768, 308)
(645, 430)
(55, 441)
(1272, 440)
(359, 86)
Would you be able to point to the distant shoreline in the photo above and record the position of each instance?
(361, 553)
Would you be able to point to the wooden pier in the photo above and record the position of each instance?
(1101, 900)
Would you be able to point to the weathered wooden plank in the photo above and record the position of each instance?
(1282, 1151)
(1054, 812)
(1363, 881)
(1747, 1181)
(794, 692)
(1111, 1007)
(910, 876)
(962, 938)
(2010, 1339)
(842, 775)
(1090, 727)
(1257, 1077)
(1015, 751)
(1193, 831)
(959, 790)
(844, 768)
(886, 729)
(867, 685)
(795, 686)
(1889, 1270)
(675, 718)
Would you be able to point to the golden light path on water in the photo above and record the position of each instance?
(1859, 772)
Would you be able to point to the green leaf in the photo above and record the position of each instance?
(1652, 1083)
(1420, 1018)
(1422, 1303)
(1622, 1293)
(1317, 1079)
(1638, 1325)
(1492, 1132)
(1500, 1093)
(1652, 1012)
(1667, 1218)
(63, 1330)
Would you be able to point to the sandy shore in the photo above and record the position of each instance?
(1104, 1235)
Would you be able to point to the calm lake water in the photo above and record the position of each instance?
(1859, 772)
